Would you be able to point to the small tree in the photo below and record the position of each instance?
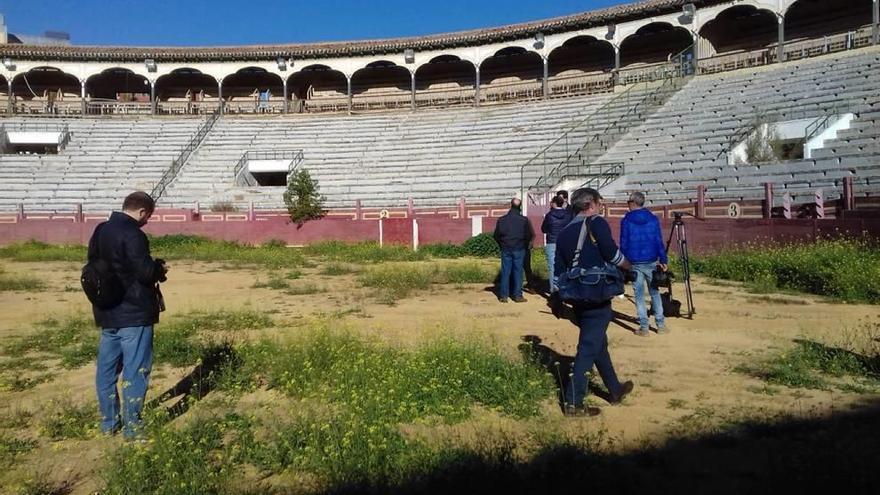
(763, 143)
(302, 198)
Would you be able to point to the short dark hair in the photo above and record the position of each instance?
(562, 193)
(515, 203)
(137, 200)
(582, 197)
(558, 201)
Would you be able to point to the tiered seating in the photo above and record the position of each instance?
(103, 162)
(684, 143)
(434, 157)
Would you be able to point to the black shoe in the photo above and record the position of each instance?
(573, 411)
(502, 299)
(519, 299)
(624, 391)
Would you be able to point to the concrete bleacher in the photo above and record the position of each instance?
(103, 162)
(435, 157)
(685, 143)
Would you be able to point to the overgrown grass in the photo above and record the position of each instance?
(186, 247)
(11, 448)
(336, 269)
(63, 419)
(362, 252)
(398, 280)
(39, 251)
(361, 393)
(815, 365)
(848, 270)
(24, 283)
(179, 342)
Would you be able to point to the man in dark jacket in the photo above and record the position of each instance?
(592, 319)
(126, 343)
(514, 234)
(554, 221)
(642, 243)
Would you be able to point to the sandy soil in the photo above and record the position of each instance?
(676, 374)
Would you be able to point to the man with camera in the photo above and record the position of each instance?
(584, 246)
(642, 243)
(126, 311)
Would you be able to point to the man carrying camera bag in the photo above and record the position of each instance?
(121, 280)
(587, 262)
(642, 243)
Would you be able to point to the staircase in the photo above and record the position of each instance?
(570, 160)
(178, 163)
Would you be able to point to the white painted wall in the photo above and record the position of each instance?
(19, 137)
(843, 123)
(269, 165)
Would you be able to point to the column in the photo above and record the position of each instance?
(350, 97)
(780, 51)
(477, 86)
(876, 29)
(545, 83)
(10, 103)
(219, 94)
(616, 65)
(285, 96)
(413, 90)
(152, 97)
(83, 96)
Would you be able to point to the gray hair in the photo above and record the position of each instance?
(581, 198)
(638, 198)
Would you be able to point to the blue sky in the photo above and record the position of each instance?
(221, 22)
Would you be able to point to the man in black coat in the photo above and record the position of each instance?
(126, 342)
(514, 234)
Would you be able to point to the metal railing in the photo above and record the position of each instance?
(792, 50)
(113, 107)
(185, 153)
(595, 175)
(242, 175)
(570, 149)
(63, 130)
(823, 122)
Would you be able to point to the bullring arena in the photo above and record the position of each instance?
(365, 351)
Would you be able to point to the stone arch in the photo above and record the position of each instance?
(381, 84)
(653, 43)
(118, 84)
(741, 27)
(818, 18)
(187, 90)
(318, 87)
(584, 54)
(253, 90)
(47, 89)
(512, 73)
(444, 81)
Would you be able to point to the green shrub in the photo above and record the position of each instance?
(362, 252)
(336, 269)
(25, 283)
(40, 251)
(481, 246)
(12, 448)
(443, 250)
(303, 197)
(398, 280)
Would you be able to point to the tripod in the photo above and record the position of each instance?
(678, 231)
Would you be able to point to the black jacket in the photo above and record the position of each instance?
(513, 231)
(554, 221)
(121, 242)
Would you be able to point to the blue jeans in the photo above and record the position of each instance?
(592, 349)
(550, 253)
(129, 351)
(644, 275)
(511, 264)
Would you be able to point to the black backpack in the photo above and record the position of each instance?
(101, 284)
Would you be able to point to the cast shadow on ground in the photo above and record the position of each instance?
(198, 383)
(836, 454)
(558, 365)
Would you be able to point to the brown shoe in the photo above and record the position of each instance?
(573, 411)
(519, 299)
(624, 391)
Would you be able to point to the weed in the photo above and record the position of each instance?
(74, 341)
(11, 448)
(39, 251)
(272, 283)
(293, 274)
(23, 283)
(676, 404)
(16, 419)
(848, 270)
(304, 289)
(335, 269)
(65, 420)
(363, 252)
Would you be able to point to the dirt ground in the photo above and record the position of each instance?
(690, 369)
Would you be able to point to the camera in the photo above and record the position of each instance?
(161, 263)
(629, 276)
(661, 279)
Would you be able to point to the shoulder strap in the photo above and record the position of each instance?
(582, 238)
